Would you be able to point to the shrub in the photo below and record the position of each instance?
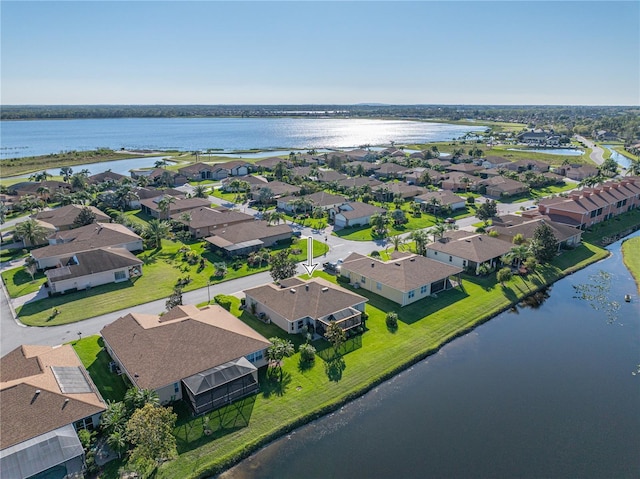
(307, 352)
(224, 301)
(375, 253)
(392, 320)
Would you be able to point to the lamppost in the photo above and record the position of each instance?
(208, 292)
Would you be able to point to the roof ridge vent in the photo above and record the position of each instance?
(325, 289)
(293, 290)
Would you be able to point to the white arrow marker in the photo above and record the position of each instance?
(310, 266)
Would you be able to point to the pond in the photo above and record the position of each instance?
(548, 389)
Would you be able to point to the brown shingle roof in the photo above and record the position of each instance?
(478, 248)
(403, 274)
(241, 232)
(98, 235)
(204, 217)
(161, 351)
(66, 215)
(314, 298)
(25, 414)
(91, 262)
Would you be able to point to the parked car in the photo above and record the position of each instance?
(331, 266)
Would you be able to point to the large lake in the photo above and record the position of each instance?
(42, 137)
(546, 392)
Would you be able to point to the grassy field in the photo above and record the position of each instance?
(631, 257)
(308, 391)
(96, 361)
(160, 272)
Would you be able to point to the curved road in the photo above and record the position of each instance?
(597, 153)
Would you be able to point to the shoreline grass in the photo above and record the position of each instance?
(631, 258)
(307, 394)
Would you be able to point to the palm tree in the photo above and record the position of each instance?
(135, 398)
(397, 241)
(421, 238)
(518, 253)
(164, 205)
(438, 231)
(634, 168)
(200, 191)
(279, 349)
(31, 232)
(63, 197)
(117, 441)
(434, 203)
(276, 217)
(114, 418)
(155, 231)
(66, 173)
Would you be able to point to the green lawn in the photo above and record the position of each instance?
(96, 360)
(631, 257)
(11, 254)
(307, 392)
(19, 282)
(160, 272)
(613, 227)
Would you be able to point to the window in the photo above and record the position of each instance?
(423, 289)
(253, 357)
(379, 286)
(120, 275)
(464, 262)
(176, 387)
(299, 324)
(593, 214)
(450, 258)
(435, 253)
(412, 293)
(363, 280)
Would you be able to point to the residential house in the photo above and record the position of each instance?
(391, 171)
(358, 182)
(46, 397)
(108, 176)
(63, 218)
(356, 168)
(508, 226)
(206, 356)
(362, 155)
(491, 161)
(216, 171)
(329, 176)
(443, 198)
(320, 199)
(583, 208)
(389, 191)
(34, 188)
(457, 181)
(468, 250)
(296, 306)
(404, 279)
(228, 184)
(176, 205)
(87, 269)
(204, 221)
(521, 166)
(278, 190)
(468, 168)
(501, 187)
(354, 214)
(64, 244)
(161, 176)
(270, 163)
(577, 172)
(241, 239)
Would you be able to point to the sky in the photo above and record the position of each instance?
(330, 52)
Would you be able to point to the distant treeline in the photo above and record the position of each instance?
(624, 121)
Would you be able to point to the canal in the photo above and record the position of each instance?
(548, 389)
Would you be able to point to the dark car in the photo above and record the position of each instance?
(331, 267)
